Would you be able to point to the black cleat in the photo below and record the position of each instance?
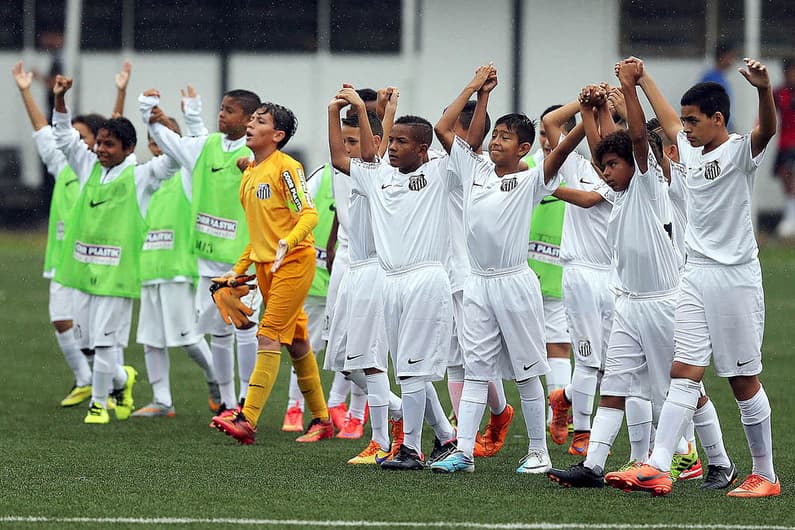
(719, 477)
(406, 460)
(577, 476)
(441, 451)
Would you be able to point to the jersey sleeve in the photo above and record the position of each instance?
(68, 141)
(54, 159)
(463, 163)
(299, 201)
(314, 180)
(741, 153)
(364, 176)
(192, 112)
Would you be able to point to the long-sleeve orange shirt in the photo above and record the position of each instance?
(278, 206)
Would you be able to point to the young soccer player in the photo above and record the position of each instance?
(503, 311)
(219, 235)
(280, 216)
(101, 252)
(720, 308)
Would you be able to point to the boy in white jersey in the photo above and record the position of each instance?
(408, 211)
(720, 308)
(503, 312)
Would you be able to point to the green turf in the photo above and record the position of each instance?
(51, 464)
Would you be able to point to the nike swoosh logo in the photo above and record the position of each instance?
(583, 181)
(528, 366)
(109, 333)
(93, 204)
(184, 333)
(549, 200)
(71, 182)
(415, 361)
(646, 478)
(352, 357)
(385, 186)
(216, 169)
(478, 185)
(744, 363)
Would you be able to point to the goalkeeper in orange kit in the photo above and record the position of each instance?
(280, 217)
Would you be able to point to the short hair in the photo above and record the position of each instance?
(568, 125)
(709, 97)
(121, 129)
(617, 142)
(465, 116)
(375, 124)
(283, 120)
(247, 100)
(520, 124)
(723, 47)
(367, 94)
(654, 138)
(421, 129)
(92, 121)
(174, 125)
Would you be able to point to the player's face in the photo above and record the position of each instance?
(543, 140)
(109, 149)
(85, 134)
(350, 138)
(232, 119)
(699, 128)
(261, 133)
(405, 153)
(617, 172)
(504, 146)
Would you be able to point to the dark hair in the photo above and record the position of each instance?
(121, 129)
(520, 124)
(421, 129)
(283, 120)
(709, 97)
(723, 47)
(247, 100)
(92, 121)
(174, 125)
(654, 138)
(617, 142)
(465, 117)
(367, 94)
(568, 125)
(375, 123)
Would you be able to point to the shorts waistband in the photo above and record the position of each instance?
(588, 265)
(703, 261)
(652, 295)
(353, 265)
(495, 273)
(414, 267)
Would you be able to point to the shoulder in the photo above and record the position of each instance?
(317, 172)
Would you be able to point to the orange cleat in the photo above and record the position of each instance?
(559, 426)
(494, 436)
(372, 454)
(293, 419)
(352, 429)
(338, 415)
(397, 436)
(318, 430)
(755, 486)
(237, 426)
(579, 444)
(643, 478)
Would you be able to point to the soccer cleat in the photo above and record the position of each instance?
(155, 409)
(97, 414)
(293, 419)
(455, 461)
(579, 444)
(559, 426)
(694, 472)
(632, 464)
(719, 477)
(338, 415)
(397, 436)
(237, 426)
(682, 462)
(214, 397)
(442, 450)
(643, 478)
(77, 395)
(318, 430)
(352, 429)
(111, 403)
(577, 476)
(494, 436)
(125, 404)
(372, 454)
(406, 460)
(534, 462)
(755, 486)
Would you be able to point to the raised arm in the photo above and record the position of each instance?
(581, 198)
(446, 124)
(666, 115)
(628, 74)
(555, 159)
(477, 126)
(23, 80)
(339, 155)
(756, 74)
(553, 121)
(191, 105)
(122, 79)
(184, 150)
(589, 98)
(391, 96)
(368, 152)
(80, 158)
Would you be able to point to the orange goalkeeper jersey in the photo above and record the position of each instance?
(278, 206)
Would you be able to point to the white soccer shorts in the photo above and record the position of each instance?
(556, 328)
(166, 318)
(209, 319)
(60, 304)
(101, 320)
(589, 306)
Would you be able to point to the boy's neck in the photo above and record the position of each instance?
(264, 153)
(501, 171)
(410, 170)
(236, 136)
(721, 138)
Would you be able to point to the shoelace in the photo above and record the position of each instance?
(532, 453)
(752, 482)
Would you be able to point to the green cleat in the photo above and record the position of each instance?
(97, 414)
(77, 395)
(682, 462)
(124, 396)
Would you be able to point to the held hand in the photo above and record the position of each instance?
(337, 104)
(152, 92)
(393, 95)
(158, 116)
(481, 75)
(62, 85)
(243, 162)
(123, 77)
(189, 92)
(23, 78)
(592, 96)
(281, 252)
(490, 84)
(350, 95)
(756, 73)
(628, 72)
(616, 103)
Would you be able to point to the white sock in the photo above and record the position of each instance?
(496, 397)
(378, 398)
(294, 395)
(473, 404)
(246, 356)
(436, 416)
(583, 390)
(105, 364)
(677, 412)
(709, 432)
(455, 385)
(74, 357)
(157, 370)
(606, 425)
(534, 409)
(201, 355)
(413, 399)
(358, 378)
(339, 390)
(559, 376)
(395, 406)
(224, 364)
(638, 412)
(755, 416)
(358, 402)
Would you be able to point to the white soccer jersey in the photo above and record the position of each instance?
(497, 210)
(676, 193)
(719, 187)
(645, 257)
(584, 237)
(409, 212)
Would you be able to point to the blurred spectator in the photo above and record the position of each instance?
(785, 160)
(725, 57)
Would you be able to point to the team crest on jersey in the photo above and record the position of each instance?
(508, 184)
(712, 170)
(264, 192)
(417, 182)
(584, 348)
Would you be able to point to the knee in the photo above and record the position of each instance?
(62, 326)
